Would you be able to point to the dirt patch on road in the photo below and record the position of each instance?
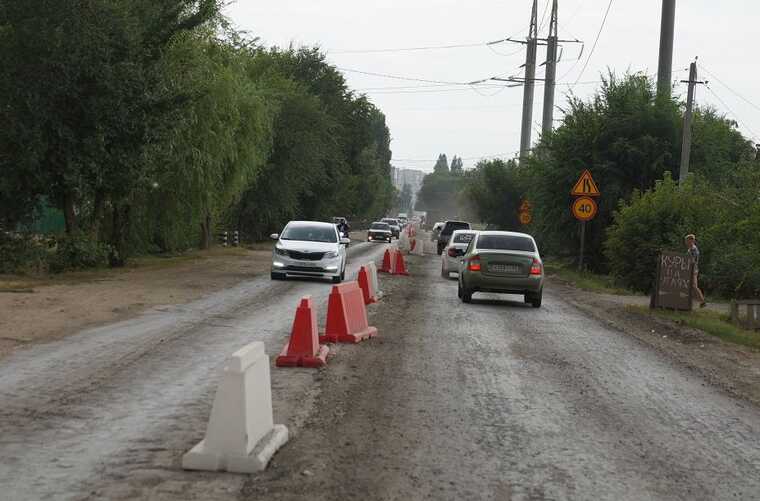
(41, 309)
(733, 367)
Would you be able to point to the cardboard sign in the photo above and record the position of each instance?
(674, 284)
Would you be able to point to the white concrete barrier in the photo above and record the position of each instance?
(241, 436)
(372, 267)
(419, 247)
(403, 242)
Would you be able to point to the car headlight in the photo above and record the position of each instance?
(331, 255)
(280, 251)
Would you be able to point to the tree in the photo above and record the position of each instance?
(442, 164)
(495, 191)
(457, 166)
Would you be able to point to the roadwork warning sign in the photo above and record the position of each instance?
(585, 187)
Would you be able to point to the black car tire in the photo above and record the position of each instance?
(277, 276)
(465, 294)
(535, 299)
(337, 279)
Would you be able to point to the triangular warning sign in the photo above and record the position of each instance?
(585, 186)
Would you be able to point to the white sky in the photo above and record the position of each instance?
(425, 121)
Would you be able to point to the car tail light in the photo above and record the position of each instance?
(452, 252)
(535, 268)
(474, 264)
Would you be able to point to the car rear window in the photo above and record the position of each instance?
(506, 242)
(452, 227)
(379, 226)
(464, 238)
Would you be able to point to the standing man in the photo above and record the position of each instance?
(693, 251)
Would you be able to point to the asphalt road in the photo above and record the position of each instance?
(493, 400)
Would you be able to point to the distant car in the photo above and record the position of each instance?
(448, 228)
(379, 232)
(502, 262)
(309, 249)
(394, 224)
(454, 251)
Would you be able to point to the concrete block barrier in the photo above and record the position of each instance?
(372, 267)
(241, 436)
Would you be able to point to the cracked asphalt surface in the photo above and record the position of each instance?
(493, 400)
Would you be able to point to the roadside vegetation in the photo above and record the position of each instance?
(711, 322)
(148, 127)
(631, 142)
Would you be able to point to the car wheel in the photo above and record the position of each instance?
(536, 300)
(277, 276)
(465, 294)
(337, 279)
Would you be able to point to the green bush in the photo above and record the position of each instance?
(653, 221)
(22, 254)
(725, 217)
(77, 251)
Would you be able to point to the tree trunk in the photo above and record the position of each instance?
(97, 214)
(119, 236)
(206, 232)
(69, 213)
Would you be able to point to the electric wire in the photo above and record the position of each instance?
(596, 41)
(712, 75)
(739, 120)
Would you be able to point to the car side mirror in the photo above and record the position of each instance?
(274, 236)
(345, 241)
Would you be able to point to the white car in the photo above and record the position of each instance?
(309, 249)
(454, 251)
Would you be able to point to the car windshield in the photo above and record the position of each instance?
(308, 233)
(379, 226)
(506, 242)
(463, 238)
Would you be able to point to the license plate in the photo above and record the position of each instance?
(504, 268)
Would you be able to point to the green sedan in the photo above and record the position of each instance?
(502, 262)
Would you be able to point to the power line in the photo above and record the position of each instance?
(729, 88)
(593, 48)
(753, 136)
(409, 79)
(411, 49)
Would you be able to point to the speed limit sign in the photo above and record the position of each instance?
(584, 208)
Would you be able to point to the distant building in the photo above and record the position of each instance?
(411, 177)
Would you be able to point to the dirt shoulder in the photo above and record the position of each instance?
(733, 367)
(41, 309)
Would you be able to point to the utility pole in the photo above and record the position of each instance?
(530, 83)
(686, 144)
(665, 66)
(551, 72)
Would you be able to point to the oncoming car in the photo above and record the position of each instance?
(394, 224)
(379, 232)
(454, 251)
(309, 249)
(502, 262)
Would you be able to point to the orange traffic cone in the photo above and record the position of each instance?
(366, 286)
(399, 267)
(387, 262)
(346, 316)
(303, 349)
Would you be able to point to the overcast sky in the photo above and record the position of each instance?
(427, 119)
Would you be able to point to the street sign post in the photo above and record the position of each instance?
(584, 207)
